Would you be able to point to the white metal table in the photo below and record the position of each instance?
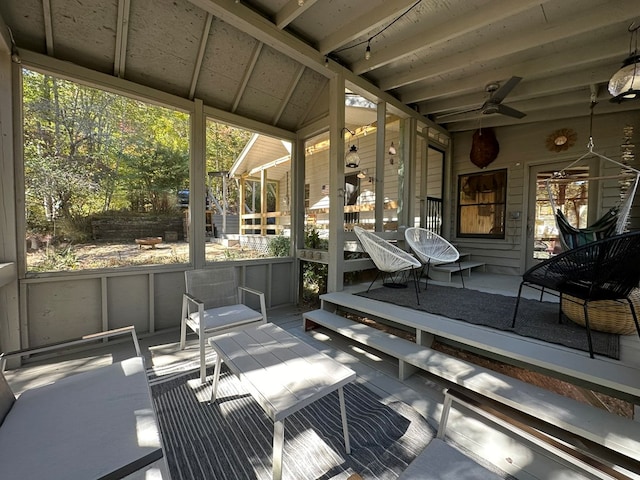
(283, 374)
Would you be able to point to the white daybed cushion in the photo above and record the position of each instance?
(84, 426)
(441, 461)
(6, 398)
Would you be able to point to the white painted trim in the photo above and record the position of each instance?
(236, 120)
(197, 179)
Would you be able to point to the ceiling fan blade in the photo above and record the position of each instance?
(500, 94)
(510, 112)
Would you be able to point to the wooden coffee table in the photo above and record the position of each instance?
(283, 374)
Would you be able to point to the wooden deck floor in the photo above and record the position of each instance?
(377, 371)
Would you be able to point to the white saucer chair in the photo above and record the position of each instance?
(389, 259)
(214, 304)
(431, 249)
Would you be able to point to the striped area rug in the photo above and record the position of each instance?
(231, 439)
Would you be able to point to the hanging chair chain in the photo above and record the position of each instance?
(591, 107)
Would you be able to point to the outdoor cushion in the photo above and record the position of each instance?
(7, 398)
(84, 426)
(441, 461)
(223, 317)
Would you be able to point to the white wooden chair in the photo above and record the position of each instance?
(431, 249)
(388, 258)
(214, 304)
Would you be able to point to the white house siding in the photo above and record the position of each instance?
(521, 147)
(317, 175)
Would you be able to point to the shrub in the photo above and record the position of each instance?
(279, 246)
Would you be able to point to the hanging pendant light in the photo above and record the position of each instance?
(625, 83)
(351, 159)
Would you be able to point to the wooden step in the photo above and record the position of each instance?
(602, 374)
(616, 433)
(444, 271)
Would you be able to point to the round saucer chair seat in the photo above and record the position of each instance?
(430, 247)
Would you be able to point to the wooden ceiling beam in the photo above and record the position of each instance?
(291, 11)
(576, 97)
(525, 91)
(122, 35)
(589, 21)
(247, 75)
(5, 37)
(560, 63)
(262, 29)
(458, 26)
(364, 25)
(544, 115)
(48, 26)
(285, 100)
(201, 50)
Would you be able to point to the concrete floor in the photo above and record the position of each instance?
(375, 370)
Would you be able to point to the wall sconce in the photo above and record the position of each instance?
(625, 83)
(362, 174)
(351, 159)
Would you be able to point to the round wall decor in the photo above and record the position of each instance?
(561, 139)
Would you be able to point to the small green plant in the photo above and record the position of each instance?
(279, 246)
(54, 260)
(314, 275)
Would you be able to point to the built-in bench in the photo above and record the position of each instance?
(611, 439)
(96, 424)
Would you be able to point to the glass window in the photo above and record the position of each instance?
(482, 199)
(106, 178)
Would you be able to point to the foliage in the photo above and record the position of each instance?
(314, 275)
(279, 246)
(61, 259)
(224, 144)
(88, 151)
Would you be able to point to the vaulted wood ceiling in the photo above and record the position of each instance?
(265, 59)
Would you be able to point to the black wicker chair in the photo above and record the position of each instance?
(607, 269)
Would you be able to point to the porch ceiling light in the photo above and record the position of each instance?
(625, 83)
(352, 159)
